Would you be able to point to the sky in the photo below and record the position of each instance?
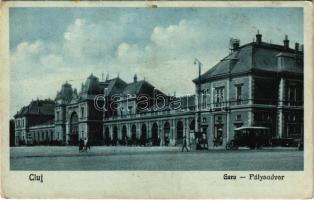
(49, 46)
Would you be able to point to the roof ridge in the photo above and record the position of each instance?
(140, 87)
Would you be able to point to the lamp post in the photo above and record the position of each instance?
(199, 65)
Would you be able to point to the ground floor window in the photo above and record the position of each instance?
(294, 130)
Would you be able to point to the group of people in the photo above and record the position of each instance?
(84, 145)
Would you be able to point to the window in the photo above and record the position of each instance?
(130, 109)
(238, 118)
(238, 94)
(82, 112)
(268, 116)
(204, 98)
(292, 95)
(58, 115)
(280, 62)
(219, 96)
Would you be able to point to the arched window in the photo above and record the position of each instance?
(179, 132)
(155, 138)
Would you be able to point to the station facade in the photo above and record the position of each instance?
(256, 84)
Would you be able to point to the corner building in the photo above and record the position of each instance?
(257, 84)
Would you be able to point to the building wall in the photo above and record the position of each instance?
(222, 118)
(89, 122)
(60, 122)
(176, 132)
(21, 129)
(41, 133)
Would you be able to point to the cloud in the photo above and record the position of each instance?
(165, 59)
(89, 41)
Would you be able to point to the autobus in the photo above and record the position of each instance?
(250, 136)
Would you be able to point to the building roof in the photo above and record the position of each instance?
(133, 88)
(37, 107)
(115, 86)
(49, 122)
(92, 86)
(110, 87)
(65, 93)
(254, 56)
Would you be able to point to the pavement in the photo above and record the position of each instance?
(66, 151)
(153, 159)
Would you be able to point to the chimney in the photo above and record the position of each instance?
(297, 47)
(135, 78)
(234, 44)
(258, 37)
(286, 42)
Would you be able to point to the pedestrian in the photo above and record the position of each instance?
(215, 142)
(81, 145)
(185, 146)
(88, 144)
(85, 144)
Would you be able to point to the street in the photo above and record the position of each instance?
(153, 158)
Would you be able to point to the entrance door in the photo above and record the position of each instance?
(143, 135)
(133, 135)
(155, 138)
(73, 137)
(218, 136)
(115, 136)
(124, 138)
(179, 132)
(107, 136)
